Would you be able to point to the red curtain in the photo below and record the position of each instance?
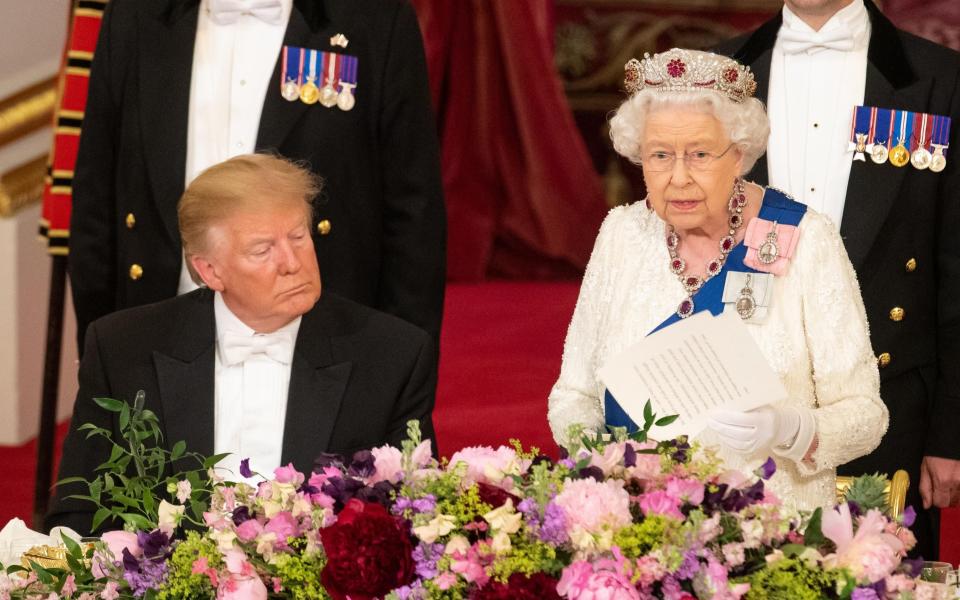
(523, 198)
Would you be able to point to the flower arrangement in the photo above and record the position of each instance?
(620, 518)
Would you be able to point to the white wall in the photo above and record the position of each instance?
(32, 36)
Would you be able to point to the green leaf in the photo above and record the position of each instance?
(67, 480)
(138, 521)
(792, 550)
(43, 575)
(813, 534)
(99, 517)
(210, 461)
(124, 417)
(647, 411)
(149, 504)
(72, 547)
(178, 449)
(664, 421)
(110, 404)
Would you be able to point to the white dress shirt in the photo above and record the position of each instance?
(250, 400)
(232, 66)
(810, 101)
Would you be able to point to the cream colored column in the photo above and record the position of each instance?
(31, 40)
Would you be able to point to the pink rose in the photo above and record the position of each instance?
(660, 502)
(246, 588)
(580, 582)
(116, 542)
(249, 530)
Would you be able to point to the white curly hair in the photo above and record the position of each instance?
(745, 123)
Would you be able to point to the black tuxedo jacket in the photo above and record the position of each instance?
(383, 198)
(892, 217)
(357, 377)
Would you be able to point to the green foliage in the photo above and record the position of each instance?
(128, 485)
(527, 558)
(868, 492)
(301, 576)
(580, 438)
(791, 579)
(181, 582)
(640, 538)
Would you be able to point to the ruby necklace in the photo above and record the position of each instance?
(678, 266)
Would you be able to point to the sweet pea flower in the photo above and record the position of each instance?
(110, 591)
(437, 527)
(183, 491)
(457, 544)
(288, 474)
(284, 526)
(169, 516)
(504, 518)
(422, 454)
(484, 464)
(660, 502)
(686, 490)
(388, 462)
(116, 542)
(579, 581)
(609, 459)
(242, 588)
(249, 530)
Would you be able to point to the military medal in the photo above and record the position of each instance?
(769, 250)
(746, 305)
(920, 158)
(900, 156)
(309, 94)
(328, 94)
(939, 143)
(881, 148)
(293, 73)
(861, 131)
(348, 81)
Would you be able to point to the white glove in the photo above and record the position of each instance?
(786, 430)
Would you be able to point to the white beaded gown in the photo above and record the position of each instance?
(814, 336)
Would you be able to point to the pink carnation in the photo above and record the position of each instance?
(486, 465)
(579, 581)
(591, 506)
(660, 502)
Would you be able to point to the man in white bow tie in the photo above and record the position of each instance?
(179, 85)
(814, 62)
(257, 363)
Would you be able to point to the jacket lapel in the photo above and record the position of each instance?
(165, 65)
(317, 386)
(185, 376)
(306, 29)
(872, 189)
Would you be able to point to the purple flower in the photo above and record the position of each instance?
(425, 504)
(326, 460)
(909, 516)
(689, 567)
(363, 464)
(150, 576)
(245, 468)
(155, 544)
(241, 514)
(915, 566)
(568, 463)
(425, 557)
(864, 594)
(594, 472)
(767, 469)
(553, 530)
(629, 456)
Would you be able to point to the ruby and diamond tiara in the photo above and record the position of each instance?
(679, 70)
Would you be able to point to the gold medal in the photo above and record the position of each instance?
(879, 153)
(328, 96)
(920, 159)
(309, 94)
(899, 156)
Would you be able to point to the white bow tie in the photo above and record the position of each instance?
(796, 42)
(235, 348)
(226, 12)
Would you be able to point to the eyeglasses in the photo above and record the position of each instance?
(698, 160)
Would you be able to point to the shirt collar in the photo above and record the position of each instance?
(854, 16)
(226, 320)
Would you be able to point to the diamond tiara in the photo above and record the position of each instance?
(679, 70)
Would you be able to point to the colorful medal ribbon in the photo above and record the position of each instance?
(309, 93)
(860, 131)
(940, 141)
(331, 68)
(292, 73)
(920, 156)
(883, 135)
(348, 81)
(899, 155)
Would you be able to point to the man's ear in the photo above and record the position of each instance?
(207, 271)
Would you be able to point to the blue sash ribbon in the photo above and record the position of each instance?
(776, 206)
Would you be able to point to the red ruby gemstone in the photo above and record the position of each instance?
(714, 267)
(676, 68)
(736, 221)
(741, 200)
(693, 281)
(731, 75)
(727, 244)
(686, 307)
(677, 265)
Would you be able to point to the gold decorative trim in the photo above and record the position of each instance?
(22, 186)
(27, 110)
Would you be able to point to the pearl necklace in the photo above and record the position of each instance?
(678, 266)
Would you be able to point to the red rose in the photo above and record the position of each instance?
(520, 587)
(368, 553)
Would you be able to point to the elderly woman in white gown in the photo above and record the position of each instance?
(705, 239)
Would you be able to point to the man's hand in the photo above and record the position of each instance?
(940, 482)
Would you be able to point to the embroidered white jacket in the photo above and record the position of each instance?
(815, 337)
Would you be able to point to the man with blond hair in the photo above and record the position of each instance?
(258, 363)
